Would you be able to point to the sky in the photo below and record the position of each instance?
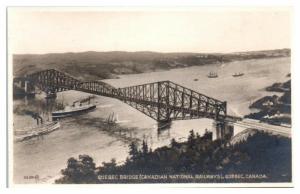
(54, 30)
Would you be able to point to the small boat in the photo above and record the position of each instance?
(238, 74)
(212, 75)
(69, 111)
(28, 133)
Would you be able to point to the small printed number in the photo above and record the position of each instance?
(31, 177)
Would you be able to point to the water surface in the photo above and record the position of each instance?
(88, 134)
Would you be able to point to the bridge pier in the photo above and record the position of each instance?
(26, 86)
(164, 124)
(23, 88)
(222, 130)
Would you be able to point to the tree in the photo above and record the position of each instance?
(88, 168)
(71, 173)
(133, 151)
(174, 143)
(79, 171)
(144, 147)
(191, 139)
(110, 166)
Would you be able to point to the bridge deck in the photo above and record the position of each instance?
(256, 124)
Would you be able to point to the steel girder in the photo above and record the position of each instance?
(162, 101)
(52, 81)
(166, 100)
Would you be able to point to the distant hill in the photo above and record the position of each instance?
(102, 65)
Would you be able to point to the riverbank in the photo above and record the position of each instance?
(275, 109)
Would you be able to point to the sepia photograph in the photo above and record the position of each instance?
(138, 95)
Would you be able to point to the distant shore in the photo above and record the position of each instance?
(108, 65)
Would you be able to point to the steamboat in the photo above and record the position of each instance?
(69, 111)
(31, 132)
(237, 74)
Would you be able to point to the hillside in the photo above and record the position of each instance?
(266, 156)
(102, 65)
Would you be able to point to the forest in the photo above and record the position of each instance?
(261, 154)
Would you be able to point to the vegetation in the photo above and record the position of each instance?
(261, 154)
(79, 171)
(280, 87)
(274, 109)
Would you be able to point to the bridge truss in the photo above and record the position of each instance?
(162, 101)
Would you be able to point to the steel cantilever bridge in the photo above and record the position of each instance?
(162, 101)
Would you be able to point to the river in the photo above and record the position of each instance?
(87, 134)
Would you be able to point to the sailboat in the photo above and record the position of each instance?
(112, 118)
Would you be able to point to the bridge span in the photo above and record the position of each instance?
(282, 130)
(163, 101)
